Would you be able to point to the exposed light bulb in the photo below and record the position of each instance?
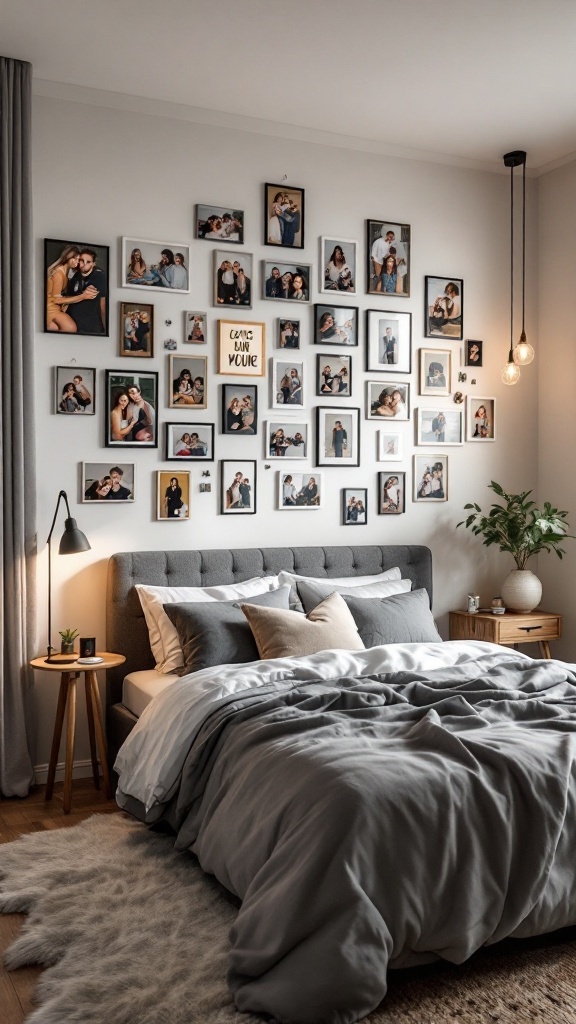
(523, 352)
(511, 372)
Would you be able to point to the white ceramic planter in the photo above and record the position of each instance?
(521, 591)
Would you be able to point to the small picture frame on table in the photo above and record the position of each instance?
(286, 439)
(388, 258)
(173, 495)
(195, 327)
(239, 409)
(391, 493)
(297, 491)
(75, 390)
(334, 375)
(241, 348)
(388, 341)
(107, 482)
(337, 436)
(435, 371)
(430, 478)
(354, 506)
(238, 487)
(189, 442)
(137, 329)
(335, 325)
(338, 265)
(387, 400)
(187, 381)
(443, 307)
(283, 216)
(480, 419)
(219, 224)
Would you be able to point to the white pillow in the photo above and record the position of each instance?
(312, 592)
(163, 636)
(343, 581)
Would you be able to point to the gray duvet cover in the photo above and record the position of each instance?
(383, 821)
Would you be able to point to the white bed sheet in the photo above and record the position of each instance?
(139, 688)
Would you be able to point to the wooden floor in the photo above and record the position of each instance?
(35, 815)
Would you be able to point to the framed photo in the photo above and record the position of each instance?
(388, 341)
(440, 426)
(390, 446)
(157, 265)
(187, 381)
(219, 224)
(173, 495)
(387, 399)
(430, 478)
(288, 335)
(480, 419)
(287, 383)
(334, 376)
(299, 490)
(335, 325)
(136, 329)
(337, 436)
(241, 348)
(391, 493)
(435, 371)
(76, 287)
(338, 265)
(286, 439)
(443, 307)
(473, 352)
(354, 506)
(238, 486)
(189, 442)
(290, 281)
(239, 409)
(75, 390)
(388, 258)
(195, 327)
(107, 481)
(232, 278)
(131, 409)
(283, 216)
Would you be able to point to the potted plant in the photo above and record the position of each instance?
(68, 638)
(523, 530)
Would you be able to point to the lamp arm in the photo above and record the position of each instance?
(61, 494)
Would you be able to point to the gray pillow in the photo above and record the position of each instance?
(216, 632)
(312, 592)
(400, 619)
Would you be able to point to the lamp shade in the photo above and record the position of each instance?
(73, 540)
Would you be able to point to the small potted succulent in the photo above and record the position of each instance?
(68, 638)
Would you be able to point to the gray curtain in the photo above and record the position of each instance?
(18, 521)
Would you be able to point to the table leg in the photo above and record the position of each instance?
(545, 648)
(59, 722)
(91, 735)
(99, 731)
(70, 732)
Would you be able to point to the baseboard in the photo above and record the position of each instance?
(80, 770)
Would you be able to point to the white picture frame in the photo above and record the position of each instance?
(376, 400)
(480, 426)
(338, 270)
(155, 277)
(435, 371)
(292, 496)
(287, 383)
(436, 426)
(389, 445)
(430, 478)
(281, 445)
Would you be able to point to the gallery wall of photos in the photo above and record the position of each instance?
(369, 372)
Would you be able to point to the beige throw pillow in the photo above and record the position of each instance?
(281, 634)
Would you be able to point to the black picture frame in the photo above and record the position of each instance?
(246, 415)
(230, 230)
(175, 439)
(336, 325)
(382, 236)
(82, 399)
(334, 378)
(288, 335)
(284, 216)
(473, 354)
(230, 469)
(351, 514)
(443, 307)
(346, 445)
(228, 294)
(118, 381)
(65, 318)
(399, 325)
(391, 492)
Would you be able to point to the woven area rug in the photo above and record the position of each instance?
(133, 933)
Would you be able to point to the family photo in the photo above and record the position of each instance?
(155, 265)
(481, 425)
(387, 399)
(232, 279)
(131, 403)
(195, 328)
(337, 437)
(286, 281)
(335, 325)
(284, 216)
(430, 478)
(444, 298)
(355, 506)
(76, 287)
(103, 482)
(173, 495)
(187, 379)
(435, 371)
(136, 329)
(388, 253)
(238, 486)
(287, 440)
(440, 426)
(391, 493)
(239, 409)
(75, 390)
(189, 441)
(334, 376)
(299, 490)
(338, 265)
(388, 341)
(219, 223)
(287, 383)
(288, 334)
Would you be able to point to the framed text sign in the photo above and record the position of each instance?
(241, 348)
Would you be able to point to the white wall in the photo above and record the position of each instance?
(101, 173)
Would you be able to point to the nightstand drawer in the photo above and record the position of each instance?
(522, 629)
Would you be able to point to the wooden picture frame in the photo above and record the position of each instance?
(241, 348)
(137, 329)
(480, 419)
(173, 499)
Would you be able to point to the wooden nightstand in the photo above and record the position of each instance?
(67, 696)
(509, 629)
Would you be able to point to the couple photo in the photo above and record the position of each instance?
(76, 287)
(75, 390)
(131, 401)
(189, 441)
(219, 223)
(101, 482)
(284, 216)
(430, 479)
(136, 327)
(388, 258)
(238, 487)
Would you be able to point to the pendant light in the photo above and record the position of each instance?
(523, 352)
(511, 372)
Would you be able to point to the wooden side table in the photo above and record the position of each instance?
(70, 671)
(509, 630)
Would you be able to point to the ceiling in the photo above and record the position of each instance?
(452, 80)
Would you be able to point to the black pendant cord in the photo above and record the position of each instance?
(523, 335)
(511, 357)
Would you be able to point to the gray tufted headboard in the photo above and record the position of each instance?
(126, 631)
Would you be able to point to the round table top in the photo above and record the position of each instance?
(62, 663)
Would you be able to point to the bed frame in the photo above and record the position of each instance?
(126, 631)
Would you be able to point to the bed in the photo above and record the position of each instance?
(372, 807)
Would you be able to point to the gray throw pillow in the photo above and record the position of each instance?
(312, 592)
(216, 632)
(399, 619)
